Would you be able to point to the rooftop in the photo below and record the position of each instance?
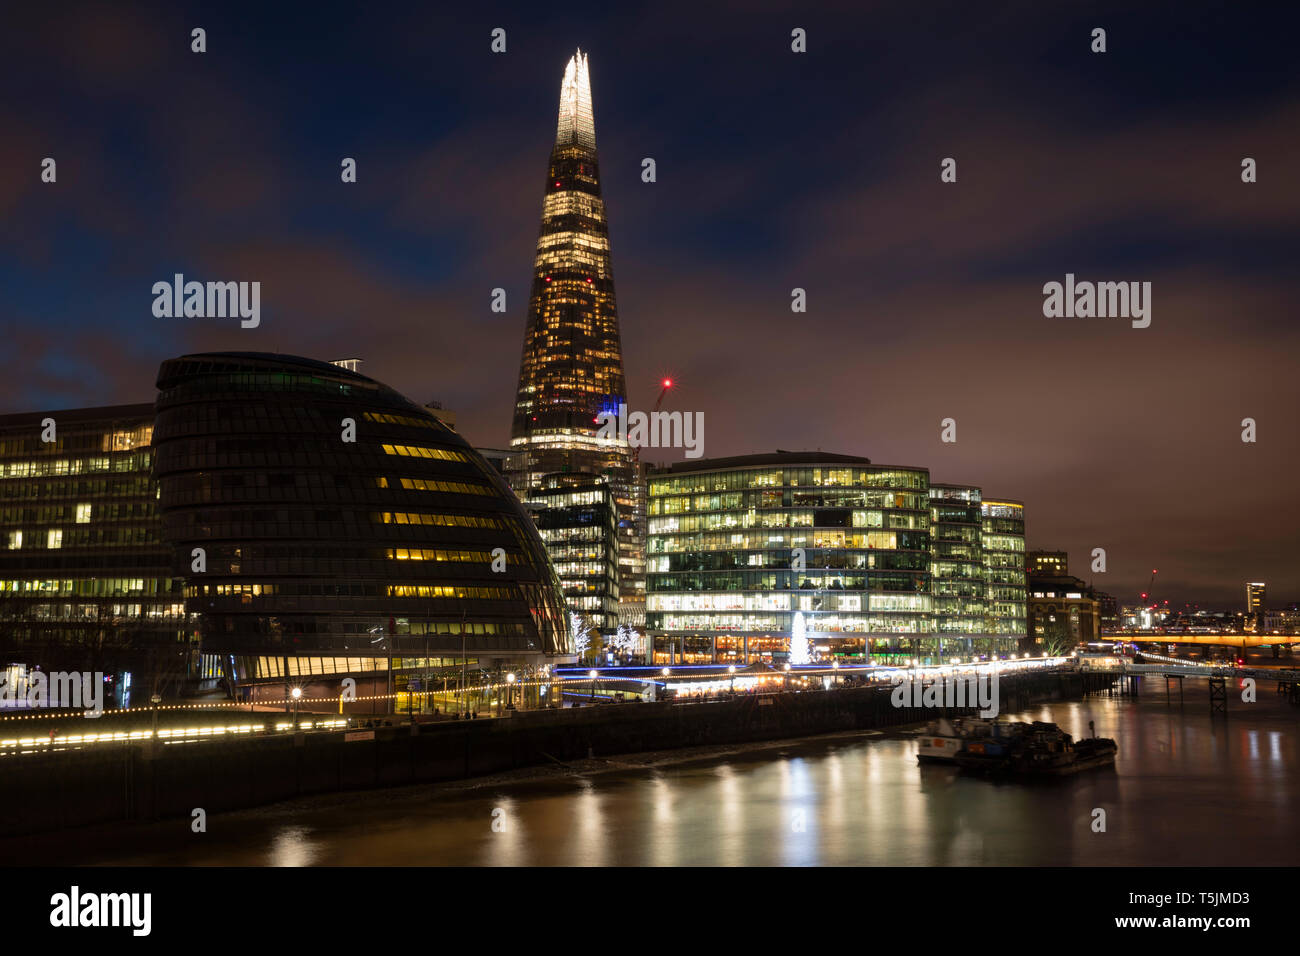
(779, 457)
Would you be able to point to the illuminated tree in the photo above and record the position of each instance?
(625, 640)
(581, 632)
(800, 645)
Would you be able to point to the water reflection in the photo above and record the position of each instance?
(1186, 790)
(292, 847)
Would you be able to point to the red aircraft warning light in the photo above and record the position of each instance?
(667, 384)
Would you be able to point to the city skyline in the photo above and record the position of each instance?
(922, 304)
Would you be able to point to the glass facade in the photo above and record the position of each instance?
(400, 542)
(575, 515)
(957, 561)
(872, 556)
(572, 365)
(86, 579)
(736, 547)
(1003, 538)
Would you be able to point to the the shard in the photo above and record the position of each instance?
(572, 371)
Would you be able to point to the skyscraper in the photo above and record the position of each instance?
(1255, 591)
(572, 365)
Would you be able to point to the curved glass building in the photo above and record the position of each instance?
(342, 526)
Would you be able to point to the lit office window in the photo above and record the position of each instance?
(54, 539)
(83, 514)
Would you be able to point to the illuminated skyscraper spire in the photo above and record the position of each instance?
(577, 125)
(571, 369)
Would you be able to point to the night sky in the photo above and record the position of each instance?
(775, 170)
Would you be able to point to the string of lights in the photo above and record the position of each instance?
(457, 692)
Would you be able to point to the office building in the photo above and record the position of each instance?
(738, 546)
(1256, 592)
(957, 562)
(1045, 563)
(576, 517)
(86, 580)
(1003, 540)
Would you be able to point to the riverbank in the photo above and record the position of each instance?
(839, 799)
(76, 788)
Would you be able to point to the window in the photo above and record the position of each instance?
(54, 539)
(15, 540)
(83, 514)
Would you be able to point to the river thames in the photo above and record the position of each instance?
(1185, 790)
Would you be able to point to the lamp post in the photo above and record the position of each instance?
(464, 704)
(296, 694)
(592, 675)
(510, 691)
(732, 671)
(835, 680)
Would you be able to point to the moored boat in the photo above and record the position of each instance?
(943, 739)
(1040, 750)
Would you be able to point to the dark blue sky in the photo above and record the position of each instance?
(775, 170)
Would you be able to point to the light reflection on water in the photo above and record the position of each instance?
(1185, 791)
(292, 846)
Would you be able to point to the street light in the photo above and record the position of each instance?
(732, 671)
(296, 694)
(592, 675)
(510, 691)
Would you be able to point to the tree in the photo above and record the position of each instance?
(800, 645)
(625, 640)
(581, 631)
(1055, 644)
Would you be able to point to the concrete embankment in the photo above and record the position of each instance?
(104, 784)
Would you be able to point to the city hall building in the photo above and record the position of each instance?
(873, 556)
(327, 526)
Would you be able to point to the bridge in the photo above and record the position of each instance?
(1217, 638)
(1129, 675)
